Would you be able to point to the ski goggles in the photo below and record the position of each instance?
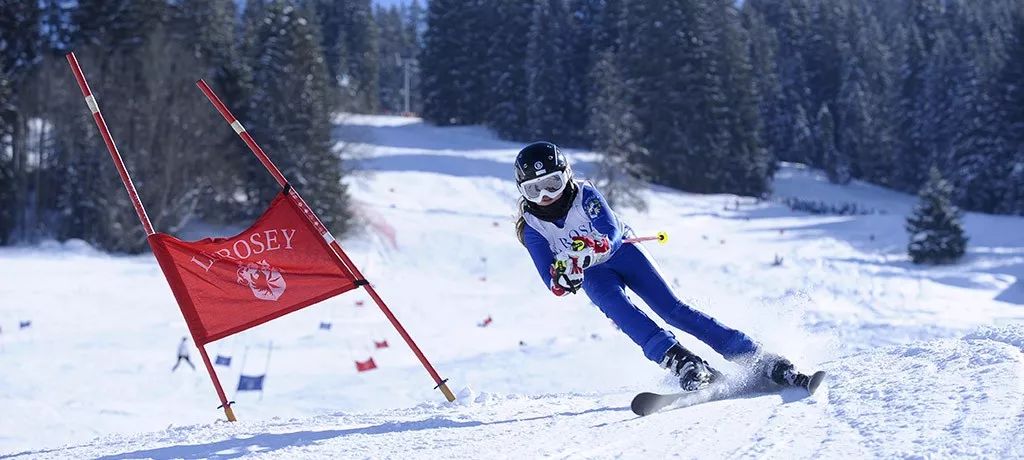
(548, 185)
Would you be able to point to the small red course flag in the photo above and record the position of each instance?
(363, 366)
(278, 265)
(381, 344)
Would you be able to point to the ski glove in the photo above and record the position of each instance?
(566, 275)
(588, 251)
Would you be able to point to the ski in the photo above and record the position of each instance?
(816, 379)
(647, 403)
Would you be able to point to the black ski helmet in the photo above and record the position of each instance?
(538, 159)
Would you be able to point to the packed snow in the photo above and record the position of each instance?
(923, 361)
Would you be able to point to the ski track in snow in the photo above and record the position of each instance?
(923, 361)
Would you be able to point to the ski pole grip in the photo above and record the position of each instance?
(661, 237)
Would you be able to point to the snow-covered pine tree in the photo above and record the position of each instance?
(414, 22)
(451, 66)
(936, 233)
(676, 93)
(547, 74)
(393, 49)
(130, 43)
(348, 37)
(835, 162)
(921, 24)
(293, 124)
(748, 166)
(19, 52)
(863, 105)
(583, 21)
(206, 30)
(763, 46)
(480, 20)
(614, 131)
(507, 55)
(824, 52)
(979, 161)
(786, 118)
(1008, 103)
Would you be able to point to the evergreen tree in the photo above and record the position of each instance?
(856, 129)
(825, 51)
(922, 18)
(7, 200)
(361, 41)
(454, 73)
(207, 32)
(690, 86)
(936, 234)
(584, 17)
(331, 15)
(1008, 108)
(547, 73)
(116, 24)
(836, 164)
(293, 125)
(748, 166)
(19, 53)
(349, 41)
(414, 22)
(763, 46)
(864, 106)
(608, 25)
(978, 157)
(787, 119)
(614, 131)
(394, 48)
(507, 55)
(129, 44)
(477, 94)
(665, 69)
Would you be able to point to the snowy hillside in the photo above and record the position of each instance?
(924, 360)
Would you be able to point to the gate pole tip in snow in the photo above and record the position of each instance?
(446, 391)
(331, 241)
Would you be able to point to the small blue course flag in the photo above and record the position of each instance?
(250, 382)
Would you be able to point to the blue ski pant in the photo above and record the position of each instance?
(631, 267)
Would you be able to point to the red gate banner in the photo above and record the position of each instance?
(278, 265)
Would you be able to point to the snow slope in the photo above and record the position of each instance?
(924, 360)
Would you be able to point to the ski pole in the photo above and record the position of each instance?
(661, 237)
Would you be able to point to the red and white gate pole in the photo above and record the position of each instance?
(332, 242)
(126, 179)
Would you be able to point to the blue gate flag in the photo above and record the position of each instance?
(250, 382)
(223, 361)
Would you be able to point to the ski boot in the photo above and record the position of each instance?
(694, 373)
(783, 373)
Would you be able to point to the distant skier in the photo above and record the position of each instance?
(183, 355)
(570, 231)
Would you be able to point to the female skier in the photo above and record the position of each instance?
(570, 231)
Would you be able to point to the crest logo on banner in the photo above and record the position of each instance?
(266, 282)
